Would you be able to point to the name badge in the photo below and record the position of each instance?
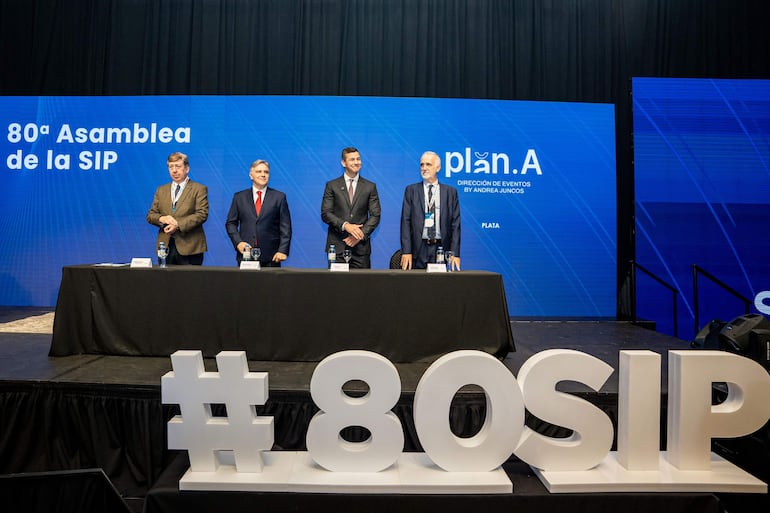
(430, 219)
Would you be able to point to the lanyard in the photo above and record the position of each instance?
(432, 198)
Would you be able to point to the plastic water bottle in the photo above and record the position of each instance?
(331, 255)
(162, 254)
(246, 252)
(440, 255)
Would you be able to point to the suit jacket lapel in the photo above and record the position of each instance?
(165, 198)
(421, 197)
(344, 190)
(419, 192)
(248, 199)
(184, 194)
(444, 212)
(357, 192)
(267, 201)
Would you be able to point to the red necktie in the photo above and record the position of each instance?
(258, 203)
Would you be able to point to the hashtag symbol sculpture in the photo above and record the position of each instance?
(204, 436)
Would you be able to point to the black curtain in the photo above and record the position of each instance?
(52, 426)
(553, 50)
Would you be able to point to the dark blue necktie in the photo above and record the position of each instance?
(432, 207)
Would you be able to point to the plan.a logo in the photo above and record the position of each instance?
(495, 163)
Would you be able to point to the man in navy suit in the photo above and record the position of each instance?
(259, 217)
(430, 217)
(351, 208)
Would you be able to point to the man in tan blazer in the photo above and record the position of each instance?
(180, 208)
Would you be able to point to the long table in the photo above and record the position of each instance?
(279, 314)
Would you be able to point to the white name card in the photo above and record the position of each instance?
(250, 265)
(339, 267)
(436, 268)
(141, 262)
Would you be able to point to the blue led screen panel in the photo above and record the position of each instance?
(701, 152)
(536, 182)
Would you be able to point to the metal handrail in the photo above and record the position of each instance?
(696, 303)
(672, 289)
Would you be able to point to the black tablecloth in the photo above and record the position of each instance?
(279, 314)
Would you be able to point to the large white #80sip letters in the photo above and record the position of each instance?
(233, 453)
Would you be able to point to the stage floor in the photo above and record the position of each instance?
(25, 355)
(26, 366)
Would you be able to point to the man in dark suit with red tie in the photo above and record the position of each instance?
(430, 217)
(180, 212)
(259, 217)
(351, 208)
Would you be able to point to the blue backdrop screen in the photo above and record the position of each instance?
(536, 182)
(702, 151)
